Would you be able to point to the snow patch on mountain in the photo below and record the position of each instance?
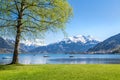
(74, 44)
(36, 42)
(79, 38)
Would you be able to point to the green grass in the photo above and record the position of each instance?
(60, 72)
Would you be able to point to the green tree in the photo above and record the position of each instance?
(29, 18)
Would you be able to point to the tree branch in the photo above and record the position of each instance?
(32, 22)
(34, 27)
(39, 5)
(32, 17)
(17, 6)
(13, 12)
(6, 19)
(3, 26)
(24, 30)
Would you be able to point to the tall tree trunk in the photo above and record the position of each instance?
(18, 34)
(16, 48)
(17, 40)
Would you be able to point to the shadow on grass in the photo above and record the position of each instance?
(9, 67)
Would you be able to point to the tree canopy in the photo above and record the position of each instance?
(37, 16)
(28, 18)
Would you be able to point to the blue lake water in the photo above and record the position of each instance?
(63, 58)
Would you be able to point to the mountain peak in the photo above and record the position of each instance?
(108, 45)
(80, 38)
(73, 44)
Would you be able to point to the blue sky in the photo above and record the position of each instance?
(99, 18)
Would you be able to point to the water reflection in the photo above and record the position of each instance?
(5, 61)
(62, 59)
(86, 61)
(39, 60)
(25, 59)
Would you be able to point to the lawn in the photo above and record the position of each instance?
(60, 72)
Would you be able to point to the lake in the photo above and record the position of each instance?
(63, 58)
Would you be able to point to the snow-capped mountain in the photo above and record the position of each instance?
(7, 46)
(80, 38)
(25, 46)
(74, 44)
(110, 45)
(36, 42)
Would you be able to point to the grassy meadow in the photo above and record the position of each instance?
(60, 72)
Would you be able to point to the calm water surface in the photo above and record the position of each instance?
(63, 58)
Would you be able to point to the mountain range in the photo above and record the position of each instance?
(7, 46)
(109, 45)
(74, 44)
